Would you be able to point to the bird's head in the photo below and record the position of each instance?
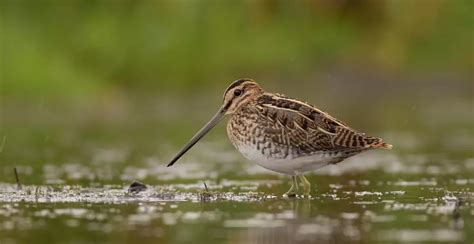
(238, 94)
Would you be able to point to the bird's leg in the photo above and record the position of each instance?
(306, 185)
(293, 189)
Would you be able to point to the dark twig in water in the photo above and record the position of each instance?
(206, 195)
(37, 193)
(17, 178)
(3, 143)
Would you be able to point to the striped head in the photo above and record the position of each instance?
(239, 93)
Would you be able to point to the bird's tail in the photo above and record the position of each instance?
(351, 139)
(374, 142)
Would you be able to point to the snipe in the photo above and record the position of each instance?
(283, 134)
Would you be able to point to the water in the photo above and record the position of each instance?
(74, 173)
(345, 209)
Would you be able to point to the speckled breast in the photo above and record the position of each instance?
(254, 137)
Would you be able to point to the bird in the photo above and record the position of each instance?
(283, 134)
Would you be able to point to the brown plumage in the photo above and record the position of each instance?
(283, 134)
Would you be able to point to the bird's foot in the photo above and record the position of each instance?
(292, 192)
(293, 189)
(306, 186)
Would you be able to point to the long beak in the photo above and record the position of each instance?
(200, 134)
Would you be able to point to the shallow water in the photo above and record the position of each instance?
(381, 201)
(74, 174)
(348, 209)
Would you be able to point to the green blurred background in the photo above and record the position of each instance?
(85, 48)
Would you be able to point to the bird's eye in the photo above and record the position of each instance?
(237, 92)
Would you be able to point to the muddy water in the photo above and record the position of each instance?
(74, 174)
(384, 200)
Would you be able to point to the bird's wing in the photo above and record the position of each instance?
(309, 128)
